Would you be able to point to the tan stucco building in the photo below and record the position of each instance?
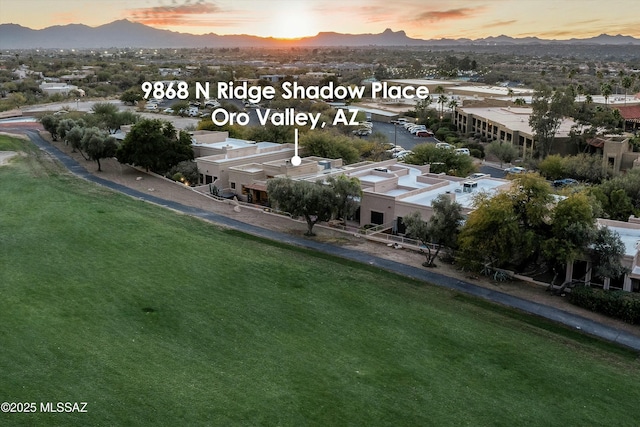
(506, 124)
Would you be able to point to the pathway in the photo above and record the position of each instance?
(572, 320)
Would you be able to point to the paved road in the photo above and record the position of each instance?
(571, 320)
(399, 135)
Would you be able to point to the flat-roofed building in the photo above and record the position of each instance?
(393, 190)
(214, 167)
(505, 124)
(60, 88)
(629, 233)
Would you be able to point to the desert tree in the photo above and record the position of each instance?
(549, 108)
(505, 152)
(347, 195)
(310, 200)
(508, 228)
(50, 124)
(571, 232)
(329, 145)
(131, 96)
(154, 144)
(74, 138)
(98, 145)
(441, 230)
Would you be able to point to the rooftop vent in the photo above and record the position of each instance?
(325, 164)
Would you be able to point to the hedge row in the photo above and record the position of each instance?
(619, 304)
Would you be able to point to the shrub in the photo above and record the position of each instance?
(476, 153)
(619, 304)
(553, 167)
(476, 149)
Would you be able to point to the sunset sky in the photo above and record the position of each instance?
(426, 19)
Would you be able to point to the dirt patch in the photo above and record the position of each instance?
(5, 156)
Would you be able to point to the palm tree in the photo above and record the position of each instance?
(627, 82)
(442, 99)
(588, 100)
(579, 90)
(606, 90)
(453, 104)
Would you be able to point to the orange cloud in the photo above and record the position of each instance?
(499, 24)
(446, 15)
(175, 15)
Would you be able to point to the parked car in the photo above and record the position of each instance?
(463, 151)
(515, 170)
(444, 146)
(402, 154)
(362, 132)
(477, 175)
(417, 129)
(425, 133)
(399, 121)
(564, 182)
(168, 111)
(395, 149)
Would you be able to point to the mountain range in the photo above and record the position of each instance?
(124, 33)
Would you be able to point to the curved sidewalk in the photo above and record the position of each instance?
(587, 326)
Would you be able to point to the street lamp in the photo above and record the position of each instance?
(395, 136)
(77, 100)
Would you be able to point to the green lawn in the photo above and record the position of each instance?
(155, 318)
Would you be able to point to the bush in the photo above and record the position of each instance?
(476, 153)
(553, 167)
(619, 304)
(476, 149)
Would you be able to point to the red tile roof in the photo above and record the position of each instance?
(596, 142)
(629, 112)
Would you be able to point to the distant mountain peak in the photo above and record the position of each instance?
(125, 33)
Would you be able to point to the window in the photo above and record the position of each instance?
(377, 218)
(233, 185)
(207, 179)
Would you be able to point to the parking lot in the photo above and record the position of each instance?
(398, 135)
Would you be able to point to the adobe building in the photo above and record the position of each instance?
(506, 124)
(629, 233)
(392, 190)
(617, 153)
